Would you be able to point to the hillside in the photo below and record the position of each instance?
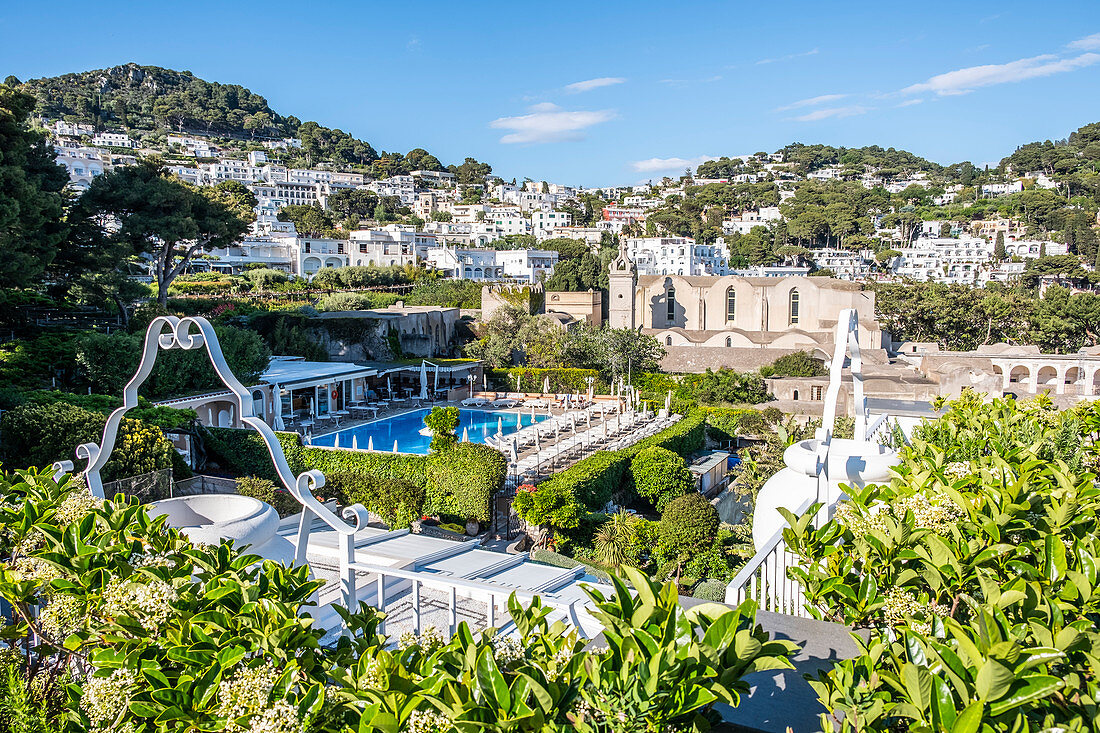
(153, 100)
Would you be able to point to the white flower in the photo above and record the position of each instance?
(246, 693)
(507, 650)
(76, 506)
(901, 607)
(152, 560)
(374, 676)
(149, 602)
(33, 569)
(427, 721)
(281, 717)
(62, 616)
(957, 470)
(104, 698)
(429, 640)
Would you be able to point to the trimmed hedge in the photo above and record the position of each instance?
(458, 482)
(597, 479)
(549, 557)
(561, 380)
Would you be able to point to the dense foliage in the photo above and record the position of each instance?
(973, 573)
(149, 633)
(659, 476)
(456, 483)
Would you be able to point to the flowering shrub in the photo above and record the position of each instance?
(974, 572)
(156, 634)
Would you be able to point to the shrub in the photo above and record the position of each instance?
(798, 364)
(458, 482)
(726, 386)
(451, 527)
(615, 540)
(265, 278)
(206, 635)
(689, 526)
(267, 492)
(442, 421)
(549, 506)
(549, 557)
(40, 434)
(660, 476)
(397, 501)
(710, 589)
(356, 301)
(561, 380)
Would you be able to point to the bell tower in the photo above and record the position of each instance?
(622, 281)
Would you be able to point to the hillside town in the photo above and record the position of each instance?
(300, 435)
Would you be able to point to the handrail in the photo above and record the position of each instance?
(179, 335)
(765, 567)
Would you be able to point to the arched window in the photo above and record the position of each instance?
(668, 341)
(731, 304)
(729, 341)
(792, 307)
(795, 395)
(670, 298)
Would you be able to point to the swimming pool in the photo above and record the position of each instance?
(405, 429)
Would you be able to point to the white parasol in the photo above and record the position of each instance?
(370, 443)
(424, 379)
(465, 436)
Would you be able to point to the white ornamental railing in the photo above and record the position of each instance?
(764, 578)
(169, 332)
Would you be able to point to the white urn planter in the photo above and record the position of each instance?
(211, 518)
(852, 462)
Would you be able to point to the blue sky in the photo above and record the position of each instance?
(598, 94)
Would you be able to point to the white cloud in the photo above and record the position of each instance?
(811, 102)
(963, 81)
(589, 84)
(909, 103)
(660, 165)
(549, 123)
(1086, 43)
(788, 57)
(834, 113)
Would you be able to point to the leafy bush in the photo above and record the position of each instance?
(729, 387)
(531, 380)
(689, 526)
(397, 501)
(266, 491)
(109, 361)
(442, 421)
(356, 301)
(798, 364)
(974, 574)
(265, 278)
(40, 434)
(214, 640)
(451, 527)
(549, 557)
(458, 482)
(710, 589)
(548, 505)
(659, 475)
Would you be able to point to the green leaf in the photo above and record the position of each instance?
(1034, 688)
(993, 680)
(970, 719)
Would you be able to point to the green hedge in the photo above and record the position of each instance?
(549, 557)
(458, 482)
(561, 380)
(597, 479)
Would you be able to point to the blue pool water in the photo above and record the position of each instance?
(405, 429)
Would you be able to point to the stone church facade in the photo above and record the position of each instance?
(730, 314)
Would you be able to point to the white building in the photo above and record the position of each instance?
(677, 256)
(113, 140)
(747, 220)
(844, 263)
(528, 265)
(544, 222)
(71, 129)
(390, 245)
(524, 265)
(83, 163)
(1002, 189)
(944, 259)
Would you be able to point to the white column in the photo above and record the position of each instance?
(1061, 386)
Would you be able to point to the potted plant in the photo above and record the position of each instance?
(472, 526)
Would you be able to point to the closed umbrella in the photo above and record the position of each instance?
(389, 387)
(424, 380)
(546, 385)
(354, 442)
(668, 401)
(370, 443)
(500, 426)
(395, 446)
(532, 414)
(573, 421)
(465, 436)
(514, 450)
(519, 381)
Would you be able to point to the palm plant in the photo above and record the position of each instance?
(614, 540)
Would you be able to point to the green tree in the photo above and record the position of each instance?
(659, 476)
(689, 527)
(614, 351)
(158, 216)
(443, 422)
(31, 199)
